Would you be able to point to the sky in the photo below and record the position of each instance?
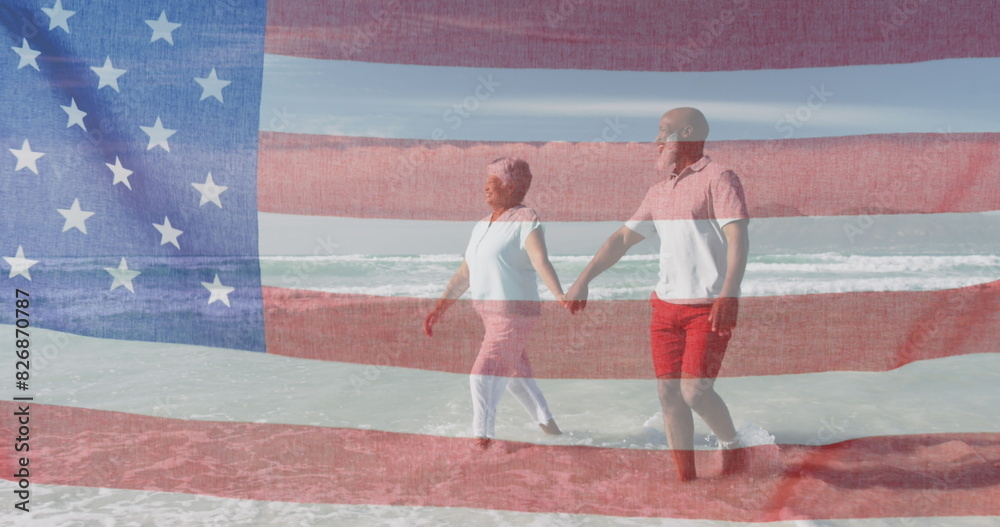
(407, 101)
(349, 98)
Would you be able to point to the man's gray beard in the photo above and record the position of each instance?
(661, 161)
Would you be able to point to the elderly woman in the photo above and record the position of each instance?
(506, 249)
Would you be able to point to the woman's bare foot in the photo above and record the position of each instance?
(551, 428)
(484, 442)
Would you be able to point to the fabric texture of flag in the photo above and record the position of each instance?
(153, 156)
(231, 217)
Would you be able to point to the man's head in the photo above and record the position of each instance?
(682, 137)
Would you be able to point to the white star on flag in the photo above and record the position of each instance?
(158, 135)
(122, 276)
(211, 86)
(162, 28)
(75, 114)
(19, 265)
(58, 17)
(169, 233)
(108, 75)
(26, 158)
(121, 173)
(27, 55)
(209, 191)
(218, 291)
(75, 217)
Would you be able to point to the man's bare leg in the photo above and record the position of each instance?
(700, 396)
(678, 423)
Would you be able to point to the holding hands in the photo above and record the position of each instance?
(576, 297)
(561, 298)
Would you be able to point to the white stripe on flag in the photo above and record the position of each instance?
(211, 384)
(60, 505)
(332, 235)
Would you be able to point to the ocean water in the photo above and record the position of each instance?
(179, 381)
(425, 276)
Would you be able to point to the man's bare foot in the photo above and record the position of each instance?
(551, 428)
(484, 442)
(734, 457)
(734, 461)
(684, 460)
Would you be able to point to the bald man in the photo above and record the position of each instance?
(700, 214)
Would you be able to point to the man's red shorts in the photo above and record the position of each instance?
(683, 341)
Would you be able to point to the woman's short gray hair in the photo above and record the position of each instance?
(513, 171)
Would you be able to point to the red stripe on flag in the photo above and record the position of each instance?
(610, 340)
(925, 475)
(644, 35)
(429, 180)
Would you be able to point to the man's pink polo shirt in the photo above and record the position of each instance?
(688, 212)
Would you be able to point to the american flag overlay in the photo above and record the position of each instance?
(223, 222)
(129, 130)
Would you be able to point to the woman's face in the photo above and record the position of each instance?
(497, 194)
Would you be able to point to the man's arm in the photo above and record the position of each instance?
(726, 307)
(613, 249)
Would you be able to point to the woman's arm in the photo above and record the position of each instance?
(535, 245)
(456, 287)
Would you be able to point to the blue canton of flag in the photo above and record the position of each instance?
(128, 167)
